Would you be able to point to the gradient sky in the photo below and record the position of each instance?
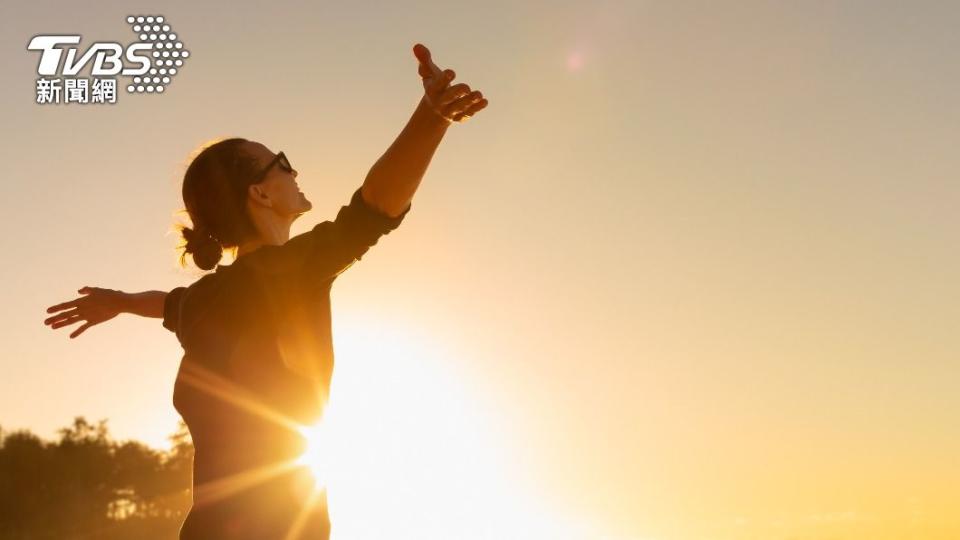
(695, 265)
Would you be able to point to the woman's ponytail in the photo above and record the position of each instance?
(205, 249)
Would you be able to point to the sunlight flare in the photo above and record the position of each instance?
(410, 450)
(316, 457)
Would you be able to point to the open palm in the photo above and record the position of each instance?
(97, 306)
(454, 103)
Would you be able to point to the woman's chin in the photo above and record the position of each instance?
(305, 203)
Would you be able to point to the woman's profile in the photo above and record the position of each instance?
(258, 351)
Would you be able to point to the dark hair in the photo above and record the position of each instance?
(214, 192)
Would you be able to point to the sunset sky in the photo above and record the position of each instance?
(692, 274)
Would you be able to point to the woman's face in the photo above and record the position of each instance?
(279, 187)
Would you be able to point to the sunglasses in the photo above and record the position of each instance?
(280, 159)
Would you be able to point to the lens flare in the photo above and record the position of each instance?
(316, 457)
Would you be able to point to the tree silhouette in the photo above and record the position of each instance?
(87, 486)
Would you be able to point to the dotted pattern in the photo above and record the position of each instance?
(168, 53)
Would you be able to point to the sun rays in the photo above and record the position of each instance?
(223, 389)
(316, 457)
(405, 448)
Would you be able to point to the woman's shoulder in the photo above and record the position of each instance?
(216, 302)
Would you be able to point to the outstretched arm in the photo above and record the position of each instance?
(395, 177)
(100, 305)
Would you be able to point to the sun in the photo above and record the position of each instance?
(316, 457)
(408, 438)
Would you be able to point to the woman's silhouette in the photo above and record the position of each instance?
(256, 334)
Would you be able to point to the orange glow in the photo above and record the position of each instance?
(316, 456)
(410, 451)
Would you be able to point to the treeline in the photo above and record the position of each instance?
(87, 486)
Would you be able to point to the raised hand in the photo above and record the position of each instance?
(454, 103)
(97, 306)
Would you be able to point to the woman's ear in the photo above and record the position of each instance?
(259, 195)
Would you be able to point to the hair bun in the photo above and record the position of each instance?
(203, 246)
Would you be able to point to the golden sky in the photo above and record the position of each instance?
(691, 274)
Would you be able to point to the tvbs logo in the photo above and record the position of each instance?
(151, 62)
(108, 56)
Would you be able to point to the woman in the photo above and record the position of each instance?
(258, 353)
